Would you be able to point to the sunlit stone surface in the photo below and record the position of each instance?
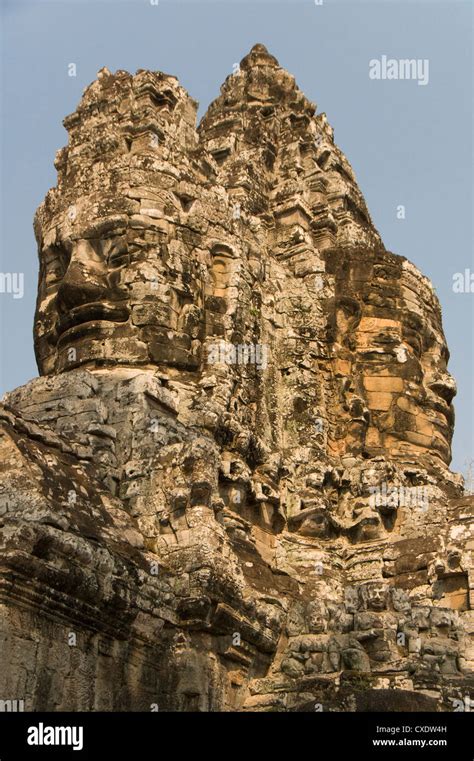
(230, 487)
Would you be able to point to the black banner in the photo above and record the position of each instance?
(138, 735)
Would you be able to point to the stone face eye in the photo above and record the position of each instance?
(415, 344)
(55, 261)
(118, 255)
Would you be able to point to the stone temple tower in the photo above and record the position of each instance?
(229, 487)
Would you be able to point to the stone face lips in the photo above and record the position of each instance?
(229, 489)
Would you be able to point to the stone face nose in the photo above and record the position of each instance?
(85, 279)
(444, 386)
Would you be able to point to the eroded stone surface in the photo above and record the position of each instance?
(230, 487)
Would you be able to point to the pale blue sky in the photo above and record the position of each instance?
(408, 144)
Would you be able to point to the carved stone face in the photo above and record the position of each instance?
(375, 596)
(428, 395)
(316, 616)
(441, 617)
(114, 290)
(400, 600)
(409, 399)
(393, 355)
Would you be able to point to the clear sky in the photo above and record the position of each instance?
(409, 144)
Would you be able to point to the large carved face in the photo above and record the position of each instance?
(411, 397)
(114, 289)
(394, 354)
